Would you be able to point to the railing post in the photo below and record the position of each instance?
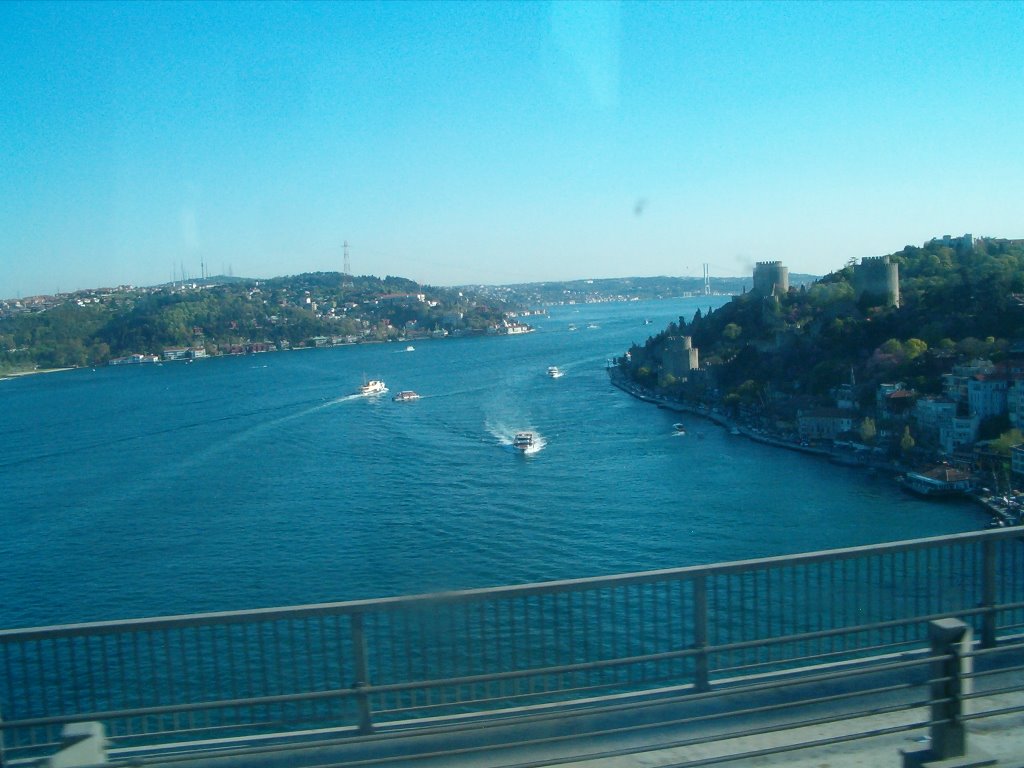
(362, 672)
(700, 632)
(988, 593)
(950, 641)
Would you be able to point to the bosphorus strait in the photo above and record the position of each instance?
(259, 480)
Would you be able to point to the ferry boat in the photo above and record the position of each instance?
(373, 387)
(554, 372)
(405, 396)
(523, 441)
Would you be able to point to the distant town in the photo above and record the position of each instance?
(912, 361)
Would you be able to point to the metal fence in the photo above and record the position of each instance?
(354, 666)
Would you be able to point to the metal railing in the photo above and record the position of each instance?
(355, 666)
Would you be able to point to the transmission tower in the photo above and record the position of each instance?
(346, 276)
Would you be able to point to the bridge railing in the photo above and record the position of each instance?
(355, 666)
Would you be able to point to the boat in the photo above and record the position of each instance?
(523, 441)
(405, 396)
(554, 372)
(572, 327)
(373, 387)
(680, 429)
(410, 348)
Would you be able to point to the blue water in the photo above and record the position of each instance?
(256, 481)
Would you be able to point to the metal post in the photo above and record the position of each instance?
(700, 632)
(988, 594)
(950, 644)
(362, 672)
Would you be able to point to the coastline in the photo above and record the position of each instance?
(19, 374)
(895, 468)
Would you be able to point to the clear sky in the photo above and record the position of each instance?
(498, 142)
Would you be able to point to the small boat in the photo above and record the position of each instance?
(572, 327)
(405, 396)
(523, 441)
(648, 322)
(680, 429)
(593, 326)
(554, 372)
(410, 348)
(373, 387)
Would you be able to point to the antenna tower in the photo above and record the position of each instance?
(346, 269)
(707, 282)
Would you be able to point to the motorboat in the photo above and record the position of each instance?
(410, 348)
(554, 372)
(680, 429)
(405, 396)
(523, 441)
(373, 387)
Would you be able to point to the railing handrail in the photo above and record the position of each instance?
(515, 590)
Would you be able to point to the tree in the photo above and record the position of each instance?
(907, 442)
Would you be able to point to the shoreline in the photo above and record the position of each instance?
(20, 374)
(721, 420)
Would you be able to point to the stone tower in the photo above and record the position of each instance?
(771, 278)
(878, 278)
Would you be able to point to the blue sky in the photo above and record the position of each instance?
(498, 142)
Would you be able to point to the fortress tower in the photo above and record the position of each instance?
(878, 278)
(679, 357)
(771, 278)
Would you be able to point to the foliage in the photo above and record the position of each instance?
(90, 329)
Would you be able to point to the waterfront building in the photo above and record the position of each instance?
(958, 432)
(1017, 460)
(932, 414)
(824, 423)
(1015, 402)
(954, 383)
(987, 395)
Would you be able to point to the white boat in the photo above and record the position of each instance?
(373, 387)
(410, 348)
(405, 396)
(554, 373)
(679, 428)
(523, 441)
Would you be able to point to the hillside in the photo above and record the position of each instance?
(92, 327)
(767, 357)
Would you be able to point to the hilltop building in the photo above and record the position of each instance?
(878, 279)
(771, 278)
(962, 244)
